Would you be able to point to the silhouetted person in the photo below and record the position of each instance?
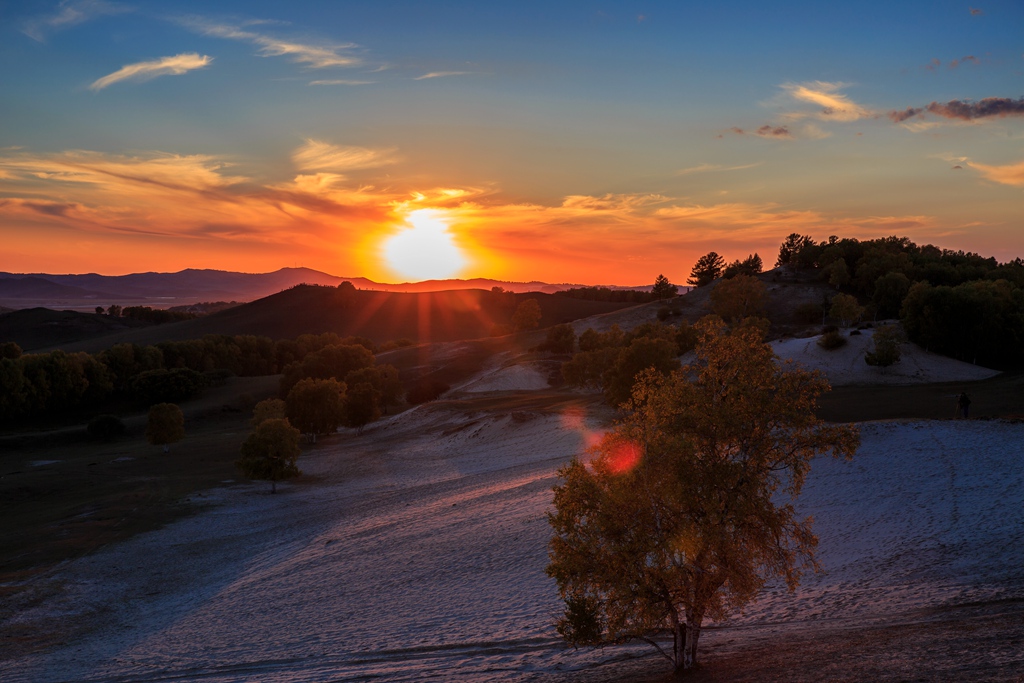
(963, 405)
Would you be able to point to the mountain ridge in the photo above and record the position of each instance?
(193, 285)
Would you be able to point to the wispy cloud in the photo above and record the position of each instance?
(312, 55)
(340, 81)
(173, 195)
(835, 106)
(935, 64)
(70, 13)
(965, 110)
(1010, 174)
(714, 168)
(966, 59)
(613, 202)
(144, 71)
(316, 155)
(765, 131)
(442, 74)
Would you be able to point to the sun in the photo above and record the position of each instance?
(425, 250)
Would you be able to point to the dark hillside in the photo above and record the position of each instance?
(37, 328)
(381, 316)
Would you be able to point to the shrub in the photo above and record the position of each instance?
(887, 347)
(832, 340)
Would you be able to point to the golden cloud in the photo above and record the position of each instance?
(316, 155)
(834, 105)
(1010, 174)
(144, 71)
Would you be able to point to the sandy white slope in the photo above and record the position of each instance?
(419, 553)
(846, 365)
(520, 377)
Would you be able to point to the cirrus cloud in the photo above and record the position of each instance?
(835, 106)
(70, 13)
(1009, 174)
(312, 55)
(144, 71)
(316, 155)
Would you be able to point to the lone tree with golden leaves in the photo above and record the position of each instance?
(685, 509)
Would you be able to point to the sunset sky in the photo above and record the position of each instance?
(585, 142)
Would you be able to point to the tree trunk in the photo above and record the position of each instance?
(273, 486)
(687, 659)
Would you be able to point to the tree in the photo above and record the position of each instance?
(890, 291)
(166, 425)
(362, 406)
(178, 384)
(706, 270)
(642, 353)
(790, 249)
(316, 406)
(685, 510)
(741, 297)
(10, 350)
(114, 311)
(384, 379)
(268, 409)
(845, 309)
(330, 361)
(887, 346)
(561, 339)
(837, 273)
(752, 265)
(527, 315)
(270, 452)
(663, 289)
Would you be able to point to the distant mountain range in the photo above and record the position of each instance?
(191, 286)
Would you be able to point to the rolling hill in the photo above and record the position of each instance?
(381, 316)
(193, 285)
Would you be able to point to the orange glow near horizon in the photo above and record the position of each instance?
(82, 211)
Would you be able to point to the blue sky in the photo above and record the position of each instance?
(633, 135)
